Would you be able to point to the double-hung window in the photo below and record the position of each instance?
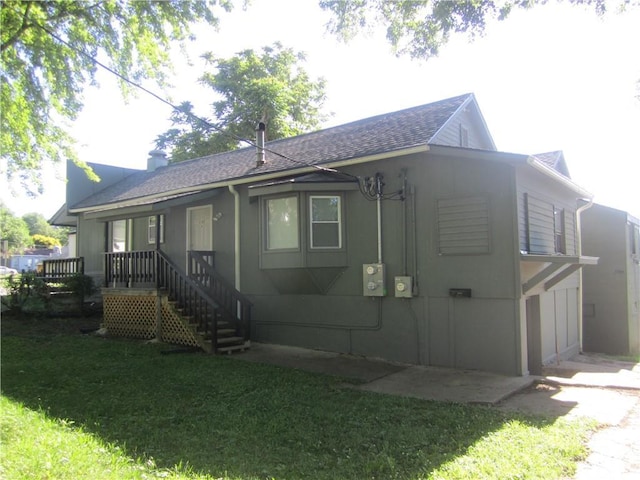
(151, 229)
(325, 221)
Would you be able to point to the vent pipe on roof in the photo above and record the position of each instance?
(260, 129)
(157, 159)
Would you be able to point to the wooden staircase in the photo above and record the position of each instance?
(200, 308)
(217, 334)
(215, 313)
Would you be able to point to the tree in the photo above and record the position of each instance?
(419, 28)
(44, 241)
(269, 86)
(49, 51)
(14, 230)
(38, 225)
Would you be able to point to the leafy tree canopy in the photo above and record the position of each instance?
(47, 51)
(419, 28)
(44, 241)
(14, 230)
(38, 225)
(270, 86)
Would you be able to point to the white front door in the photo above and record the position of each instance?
(200, 228)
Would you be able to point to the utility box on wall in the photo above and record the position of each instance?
(373, 275)
(403, 287)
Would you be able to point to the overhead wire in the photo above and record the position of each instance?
(175, 107)
(371, 187)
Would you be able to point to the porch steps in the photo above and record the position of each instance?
(235, 348)
(227, 339)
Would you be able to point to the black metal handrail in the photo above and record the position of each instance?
(201, 295)
(193, 302)
(234, 304)
(129, 268)
(61, 268)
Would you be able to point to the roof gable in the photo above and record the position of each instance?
(554, 160)
(376, 135)
(465, 128)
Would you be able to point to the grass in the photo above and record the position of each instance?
(79, 407)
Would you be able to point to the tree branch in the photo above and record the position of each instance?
(23, 28)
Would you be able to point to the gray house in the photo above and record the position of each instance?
(611, 314)
(405, 236)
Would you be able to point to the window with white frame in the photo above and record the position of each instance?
(325, 221)
(151, 230)
(282, 223)
(119, 236)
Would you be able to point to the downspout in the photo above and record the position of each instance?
(579, 211)
(236, 234)
(379, 214)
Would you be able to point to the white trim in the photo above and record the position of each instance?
(557, 176)
(312, 222)
(258, 178)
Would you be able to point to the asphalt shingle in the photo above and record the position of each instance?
(382, 133)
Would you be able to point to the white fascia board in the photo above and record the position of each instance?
(422, 148)
(558, 177)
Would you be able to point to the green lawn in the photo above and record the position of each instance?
(83, 407)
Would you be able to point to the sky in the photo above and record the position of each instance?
(554, 77)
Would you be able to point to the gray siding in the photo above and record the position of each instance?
(476, 134)
(537, 199)
(611, 313)
(539, 225)
(461, 206)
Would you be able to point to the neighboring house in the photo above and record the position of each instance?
(404, 236)
(611, 312)
(30, 259)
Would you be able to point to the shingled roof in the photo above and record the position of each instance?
(554, 160)
(389, 132)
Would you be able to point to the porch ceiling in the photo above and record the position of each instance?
(554, 269)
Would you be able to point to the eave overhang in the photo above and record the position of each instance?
(554, 269)
(326, 167)
(514, 159)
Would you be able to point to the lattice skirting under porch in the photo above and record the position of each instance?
(133, 313)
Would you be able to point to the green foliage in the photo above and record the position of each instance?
(13, 229)
(38, 225)
(47, 53)
(269, 86)
(42, 240)
(419, 28)
(221, 417)
(26, 294)
(80, 285)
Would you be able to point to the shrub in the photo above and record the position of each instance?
(81, 286)
(26, 294)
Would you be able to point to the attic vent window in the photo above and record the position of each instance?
(464, 136)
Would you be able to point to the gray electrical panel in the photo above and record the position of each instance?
(373, 275)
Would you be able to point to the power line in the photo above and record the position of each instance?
(174, 107)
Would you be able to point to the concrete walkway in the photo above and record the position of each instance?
(587, 386)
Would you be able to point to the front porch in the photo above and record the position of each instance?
(146, 295)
